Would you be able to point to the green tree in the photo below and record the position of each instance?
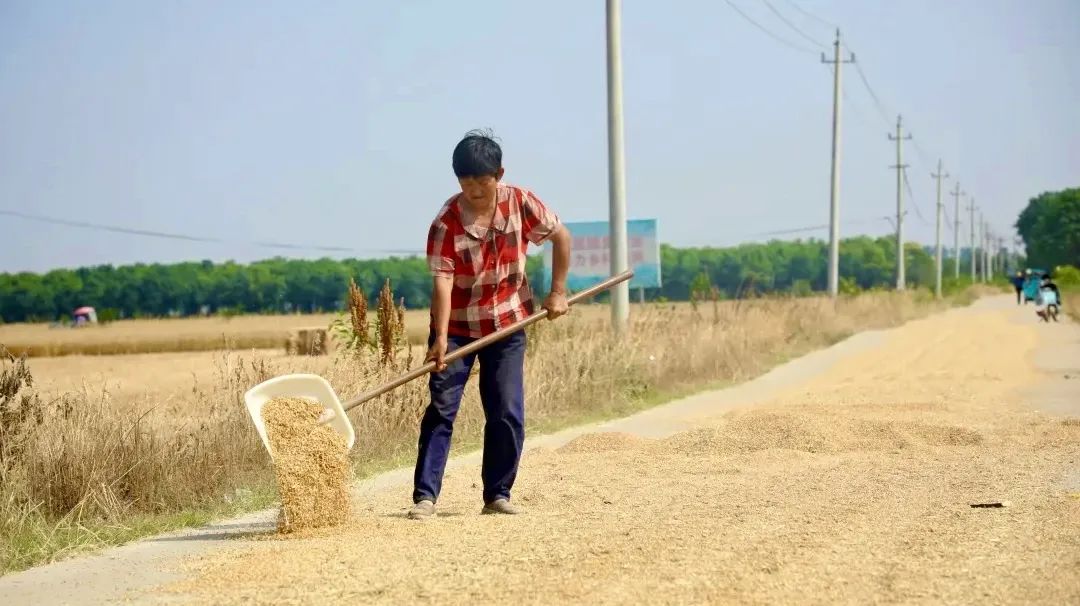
(1050, 228)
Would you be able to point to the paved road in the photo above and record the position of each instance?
(844, 476)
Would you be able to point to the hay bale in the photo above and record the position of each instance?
(311, 341)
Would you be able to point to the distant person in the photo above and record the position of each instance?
(1018, 284)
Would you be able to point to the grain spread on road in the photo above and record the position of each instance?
(854, 487)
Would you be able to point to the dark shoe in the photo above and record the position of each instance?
(423, 510)
(500, 506)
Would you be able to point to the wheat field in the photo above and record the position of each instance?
(158, 335)
(155, 336)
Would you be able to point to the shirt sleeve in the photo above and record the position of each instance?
(538, 221)
(440, 250)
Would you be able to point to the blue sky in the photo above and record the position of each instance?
(332, 123)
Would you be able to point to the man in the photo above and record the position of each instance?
(476, 251)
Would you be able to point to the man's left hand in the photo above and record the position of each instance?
(556, 305)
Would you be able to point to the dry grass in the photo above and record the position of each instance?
(130, 337)
(80, 471)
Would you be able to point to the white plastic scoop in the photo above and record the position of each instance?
(318, 390)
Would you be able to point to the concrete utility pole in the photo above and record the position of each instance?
(982, 247)
(971, 209)
(956, 230)
(620, 295)
(938, 176)
(834, 191)
(901, 281)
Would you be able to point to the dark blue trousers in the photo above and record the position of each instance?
(502, 392)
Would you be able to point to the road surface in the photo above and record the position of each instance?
(844, 477)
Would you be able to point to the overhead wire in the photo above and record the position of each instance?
(882, 111)
(911, 195)
(811, 228)
(191, 238)
(922, 154)
(811, 15)
(768, 32)
(794, 27)
(879, 105)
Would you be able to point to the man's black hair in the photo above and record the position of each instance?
(477, 155)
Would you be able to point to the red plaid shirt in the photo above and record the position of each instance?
(491, 290)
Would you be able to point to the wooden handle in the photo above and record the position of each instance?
(483, 342)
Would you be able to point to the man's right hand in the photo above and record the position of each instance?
(437, 353)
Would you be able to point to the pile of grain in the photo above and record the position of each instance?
(608, 441)
(820, 431)
(311, 463)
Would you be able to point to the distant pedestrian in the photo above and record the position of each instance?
(1018, 284)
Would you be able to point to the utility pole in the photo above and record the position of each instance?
(971, 210)
(938, 176)
(620, 295)
(956, 193)
(834, 191)
(982, 247)
(901, 282)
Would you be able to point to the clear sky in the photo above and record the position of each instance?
(332, 123)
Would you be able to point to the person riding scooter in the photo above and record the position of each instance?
(1049, 300)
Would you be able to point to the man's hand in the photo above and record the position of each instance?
(437, 353)
(556, 304)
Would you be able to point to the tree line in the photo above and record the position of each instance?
(1050, 228)
(295, 285)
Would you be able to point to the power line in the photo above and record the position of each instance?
(768, 32)
(884, 113)
(922, 154)
(873, 95)
(911, 194)
(796, 230)
(110, 228)
(187, 237)
(792, 25)
(827, 24)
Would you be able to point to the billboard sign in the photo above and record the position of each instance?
(589, 254)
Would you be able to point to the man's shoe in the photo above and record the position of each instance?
(423, 510)
(500, 506)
